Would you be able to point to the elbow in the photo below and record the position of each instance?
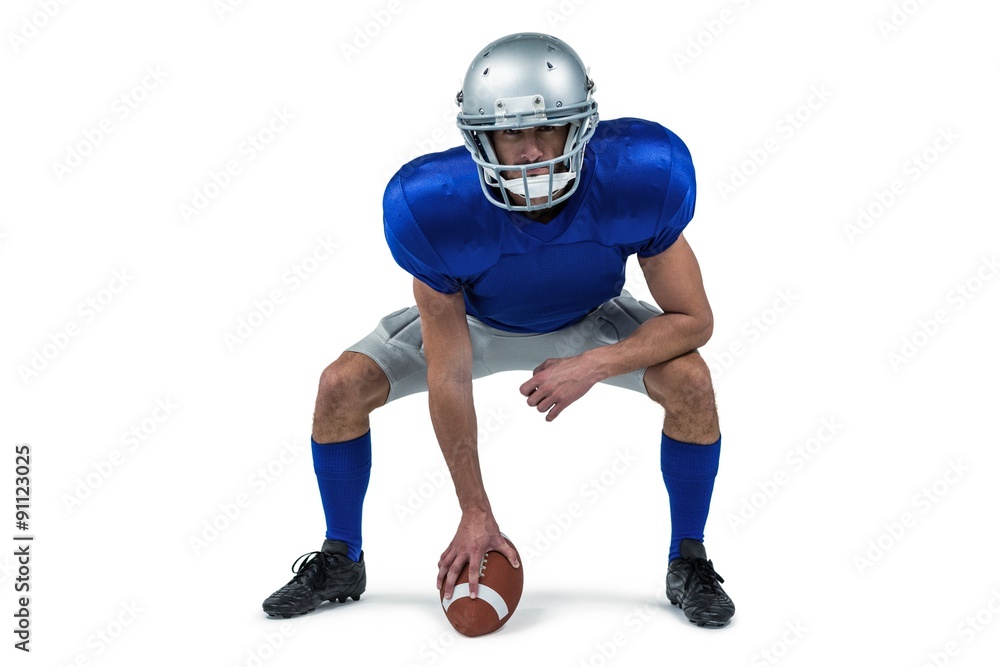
(705, 328)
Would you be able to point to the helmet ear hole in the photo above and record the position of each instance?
(574, 130)
(485, 147)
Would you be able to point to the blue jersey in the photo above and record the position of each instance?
(636, 195)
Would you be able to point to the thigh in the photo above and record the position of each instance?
(396, 345)
(616, 320)
(610, 323)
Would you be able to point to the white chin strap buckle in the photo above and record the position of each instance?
(538, 185)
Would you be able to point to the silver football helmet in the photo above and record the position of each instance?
(520, 81)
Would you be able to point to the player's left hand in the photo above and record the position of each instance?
(557, 383)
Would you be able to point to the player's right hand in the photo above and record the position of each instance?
(477, 533)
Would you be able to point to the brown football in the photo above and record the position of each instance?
(500, 585)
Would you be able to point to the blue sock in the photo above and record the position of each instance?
(343, 469)
(689, 472)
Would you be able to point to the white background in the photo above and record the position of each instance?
(844, 549)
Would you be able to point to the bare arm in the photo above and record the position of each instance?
(674, 280)
(448, 350)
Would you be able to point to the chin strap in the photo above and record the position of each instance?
(538, 186)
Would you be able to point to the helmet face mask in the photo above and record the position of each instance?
(524, 81)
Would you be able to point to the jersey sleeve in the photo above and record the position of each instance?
(678, 205)
(408, 244)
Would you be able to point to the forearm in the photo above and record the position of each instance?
(657, 340)
(453, 416)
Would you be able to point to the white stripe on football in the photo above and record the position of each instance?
(486, 594)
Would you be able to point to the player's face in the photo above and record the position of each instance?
(528, 146)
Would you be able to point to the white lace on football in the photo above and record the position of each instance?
(482, 564)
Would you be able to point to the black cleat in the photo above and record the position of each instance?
(693, 584)
(327, 575)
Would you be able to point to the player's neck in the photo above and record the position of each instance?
(544, 216)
